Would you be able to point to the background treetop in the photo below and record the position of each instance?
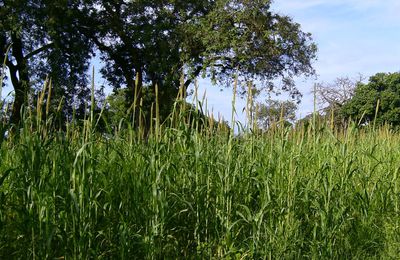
(376, 101)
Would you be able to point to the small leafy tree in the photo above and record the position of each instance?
(276, 112)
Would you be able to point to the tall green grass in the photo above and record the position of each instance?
(185, 191)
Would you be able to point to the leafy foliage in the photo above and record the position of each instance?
(247, 38)
(376, 101)
(276, 112)
(42, 42)
(148, 43)
(156, 42)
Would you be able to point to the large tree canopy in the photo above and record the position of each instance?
(156, 40)
(152, 42)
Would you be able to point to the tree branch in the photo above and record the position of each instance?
(10, 65)
(195, 74)
(39, 50)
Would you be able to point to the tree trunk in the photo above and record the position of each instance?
(21, 84)
(19, 101)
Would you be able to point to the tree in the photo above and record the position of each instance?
(378, 100)
(38, 39)
(156, 42)
(332, 96)
(141, 42)
(276, 112)
(336, 94)
(248, 39)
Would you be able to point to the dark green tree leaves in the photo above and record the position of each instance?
(154, 42)
(43, 43)
(248, 38)
(378, 100)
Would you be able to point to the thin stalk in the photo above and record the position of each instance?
(376, 113)
(157, 115)
(235, 85)
(92, 101)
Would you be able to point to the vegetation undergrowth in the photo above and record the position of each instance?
(189, 190)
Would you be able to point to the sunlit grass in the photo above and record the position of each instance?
(183, 192)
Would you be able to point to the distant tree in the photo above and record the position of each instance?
(379, 100)
(332, 96)
(282, 113)
(116, 113)
(337, 93)
(315, 119)
(115, 108)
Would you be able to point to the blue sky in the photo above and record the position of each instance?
(353, 37)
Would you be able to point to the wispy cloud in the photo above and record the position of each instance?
(377, 10)
(353, 36)
(295, 5)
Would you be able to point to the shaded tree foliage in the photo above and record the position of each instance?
(38, 39)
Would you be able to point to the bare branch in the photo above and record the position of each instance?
(337, 93)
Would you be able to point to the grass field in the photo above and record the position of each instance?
(181, 193)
